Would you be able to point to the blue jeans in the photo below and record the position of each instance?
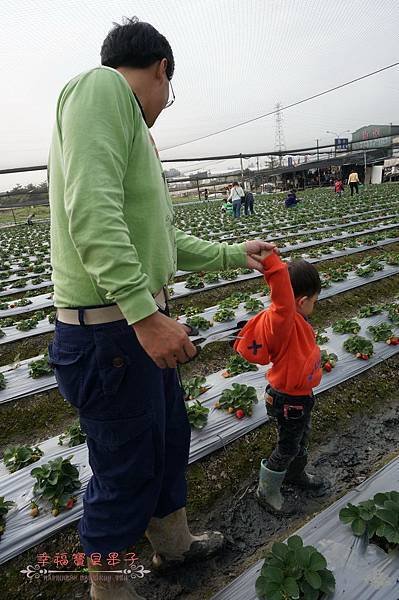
(237, 208)
(249, 207)
(138, 434)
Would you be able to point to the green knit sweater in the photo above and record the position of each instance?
(113, 237)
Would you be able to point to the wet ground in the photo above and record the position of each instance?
(346, 459)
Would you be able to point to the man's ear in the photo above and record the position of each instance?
(161, 68)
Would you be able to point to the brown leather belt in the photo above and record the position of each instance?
(103, 314)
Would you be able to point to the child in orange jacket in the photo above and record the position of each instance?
(283, 336)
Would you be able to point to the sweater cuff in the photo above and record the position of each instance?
(138, 306)
(273, 260)
(237, 255)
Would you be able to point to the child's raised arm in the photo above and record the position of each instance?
(282, 310)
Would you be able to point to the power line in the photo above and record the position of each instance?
(273, 112)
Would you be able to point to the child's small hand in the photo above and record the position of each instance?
(265, 253)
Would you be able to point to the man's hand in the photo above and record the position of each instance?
(164, 340)
(255, 250)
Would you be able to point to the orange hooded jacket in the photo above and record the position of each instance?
(281, 335)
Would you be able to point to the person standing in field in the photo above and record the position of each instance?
(339, 187)
(236, 196)
(353, 181)
(114, 249)
(249, 203)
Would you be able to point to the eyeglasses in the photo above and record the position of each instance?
(170, 102)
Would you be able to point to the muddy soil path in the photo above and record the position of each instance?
(346, 459)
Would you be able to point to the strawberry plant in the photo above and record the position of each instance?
(370, 310)
(380, 333)
(18, 457)
(5, 506)
(199, 322)
(211, 277)
(19, 283)
(191, 311)
(238, 398)
(338, 275)
(194, 387)
(56, 482)
(346, 326)
(193, 282)
(359, 346)
(40, 368)
(224, 314)
(23, 302)
(7, 322)
(3, 381)
(38, 280)
(368, 267)
(245, 271)
(393, 313)
(234, 300)
(328, 360)
(236, 365)
(377, 519)
(321, 338)
(292, 570)
(2, 334)
(253, 305)
(197, 415)
(3, 306)
(26, 324)
(229, 274)
(325, 280)
(392, 258)
(73, 436)
(51, 317)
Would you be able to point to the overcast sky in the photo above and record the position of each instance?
(235, 59)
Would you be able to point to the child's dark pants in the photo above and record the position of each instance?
(293, 416)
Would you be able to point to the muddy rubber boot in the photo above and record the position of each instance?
(296, 475)
(112, 588)
(174, 544)
(268, 493)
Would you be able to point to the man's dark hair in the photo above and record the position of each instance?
(305, 278)
(236, 183)
(136, 44)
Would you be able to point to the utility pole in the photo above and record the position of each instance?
(318, 158)
(198, 188)
(242, 169)
(257, 162)
(279, 141)
(365, 168)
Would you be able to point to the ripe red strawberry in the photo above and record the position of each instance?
(394, 340)
(365, 356)
(327, 367)
(70, 503)
(240, 414)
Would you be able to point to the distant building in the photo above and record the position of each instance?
(376, 137)
(169, 173)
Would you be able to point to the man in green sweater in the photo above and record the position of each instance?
(114, 248)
